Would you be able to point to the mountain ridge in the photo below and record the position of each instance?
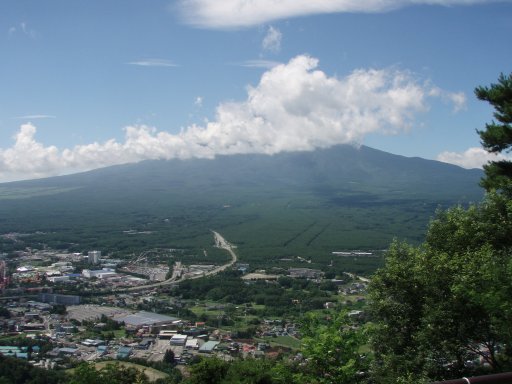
(277, 205)
(316, 157)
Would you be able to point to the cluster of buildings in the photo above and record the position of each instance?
(152, 273)
(355, 288)
(147, 335)
(38, 269)
(305, 273)
(144, 334)
(274, 328)
(42, 271)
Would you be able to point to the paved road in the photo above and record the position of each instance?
(222, 243)
(356, 277)
(177, 277)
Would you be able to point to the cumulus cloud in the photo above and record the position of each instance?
(243, 13)
(295, 106)
(272, 40)
(474, 157)
(28, 157)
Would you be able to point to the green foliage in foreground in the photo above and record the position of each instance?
(15, 371)
(112, 373)
(330, 354)
(116, 373)
(443, 306)
(332, 351)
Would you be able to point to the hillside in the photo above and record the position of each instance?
(300, 203)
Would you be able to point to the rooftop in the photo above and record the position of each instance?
(145, 318)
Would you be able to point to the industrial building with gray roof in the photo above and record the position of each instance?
(142, 318)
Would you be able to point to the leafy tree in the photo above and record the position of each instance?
(112, 373)
(395, 291)
(174, 373)
(14, 370)
(4, 312)
(85, 373)
(169, 357)
(249, 371)
(473, 248)
(208, 371)
(332, 351)
(110, 324)
(58, 309)
(497, 136)
(439, 306)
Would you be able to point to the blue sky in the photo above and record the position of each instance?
(87, 84)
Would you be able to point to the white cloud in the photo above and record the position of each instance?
(267, 64)
(22, 28)
(198, 101)
(28, 157)
(35, 117)
(244, 13)
(272, 40)
(474, 157)
(153, 63)
(458, 99)
(295, 106)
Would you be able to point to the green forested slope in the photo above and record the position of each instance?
(300, 203)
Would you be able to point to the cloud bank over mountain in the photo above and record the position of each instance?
(295, 106)
(471, 158)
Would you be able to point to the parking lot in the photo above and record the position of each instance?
(157, 350)
(93, 312)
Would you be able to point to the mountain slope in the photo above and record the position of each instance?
(298, 203)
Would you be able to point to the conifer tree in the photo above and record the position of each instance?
(497, 136)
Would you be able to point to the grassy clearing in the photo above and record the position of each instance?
(151, 373)
(12, 338)
(282, 341)
(118, 333)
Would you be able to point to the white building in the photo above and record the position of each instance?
(100, 274)
(192, 344)
(179, 339)
(57, 279)
(94, 257)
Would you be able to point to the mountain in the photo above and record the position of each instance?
(295, 203)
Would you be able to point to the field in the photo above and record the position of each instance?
(151, 373)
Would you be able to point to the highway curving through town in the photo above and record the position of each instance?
(178, 276)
